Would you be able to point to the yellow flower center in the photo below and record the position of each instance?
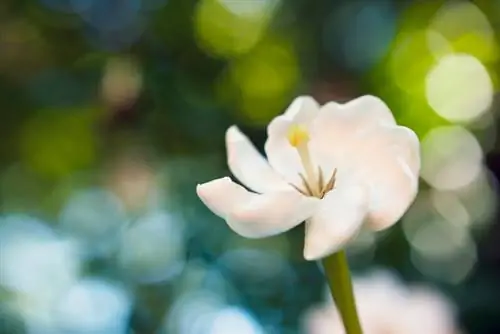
(298, 135)
(313, 181)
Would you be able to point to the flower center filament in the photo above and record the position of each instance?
(313, 181)
(299, 138)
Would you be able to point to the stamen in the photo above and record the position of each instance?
(330, 184)
(305, 184)
(313, 181)
(305, 193)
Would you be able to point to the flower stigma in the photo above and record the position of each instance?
(298, 135)
(313, 182)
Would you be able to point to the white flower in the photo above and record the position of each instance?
(384, 306)
(334, 166)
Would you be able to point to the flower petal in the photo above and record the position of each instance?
(281, 155)
(254, 215)
(393, 187)
(340, 123)
(249, 166)
(387, 159)
(362, 113)
(392, 142)
(395, 142)
(302, 110)
(340, 129)
(338, 219)
(384, 156)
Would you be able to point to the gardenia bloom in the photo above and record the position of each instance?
(335, 167)
(385, 306)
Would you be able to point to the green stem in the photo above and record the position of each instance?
(339, 280)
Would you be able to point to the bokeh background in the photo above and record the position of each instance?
(111, 111)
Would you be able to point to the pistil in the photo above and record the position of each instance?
(298, 137)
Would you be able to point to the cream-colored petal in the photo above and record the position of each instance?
(339, 124)
(384, 156)
(280, 154)
(340, 129)
(338, 219)
(249, 166)
(361, 113)
(393, 142)
(393, 187)
(256, 215)
(387, 160)
(403, 143)
(302, 110)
